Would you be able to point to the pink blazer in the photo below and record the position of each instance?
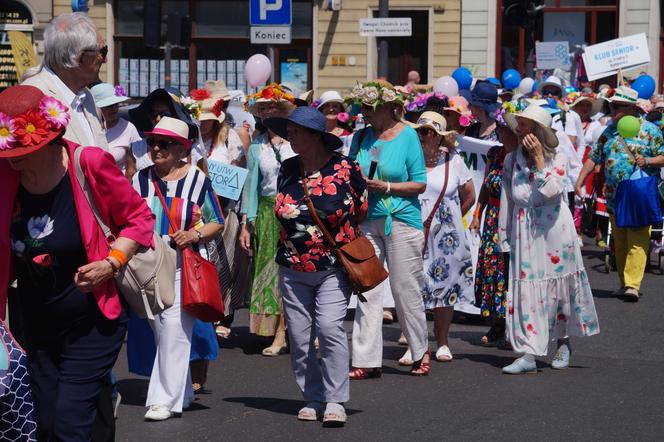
(121, 208)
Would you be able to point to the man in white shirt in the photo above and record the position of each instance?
(73, 54)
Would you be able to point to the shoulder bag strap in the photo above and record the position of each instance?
(80, 177)
(160, 195)
(429, 220)
(312, 210)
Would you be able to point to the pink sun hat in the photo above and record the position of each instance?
(172, 128)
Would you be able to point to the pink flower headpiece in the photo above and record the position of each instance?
(32, 127)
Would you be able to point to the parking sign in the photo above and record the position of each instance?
(270, 12)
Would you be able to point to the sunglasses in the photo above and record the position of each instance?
(425, 132)
(101, 51)
(160, 114)
(163, 144)
(554, 91)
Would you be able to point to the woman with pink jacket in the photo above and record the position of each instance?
(73, 318)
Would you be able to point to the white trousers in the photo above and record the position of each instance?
(170, 383)
(403, 252)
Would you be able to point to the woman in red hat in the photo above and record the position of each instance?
(73, 319)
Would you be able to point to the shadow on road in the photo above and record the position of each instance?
(275, 405)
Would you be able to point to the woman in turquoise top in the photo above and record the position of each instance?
(394, 226)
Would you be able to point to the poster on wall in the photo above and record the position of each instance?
(294, 75)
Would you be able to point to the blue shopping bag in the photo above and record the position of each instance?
(637, 201)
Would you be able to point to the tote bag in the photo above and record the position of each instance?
(637, 201)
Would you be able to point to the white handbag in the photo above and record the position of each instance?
(147, 281)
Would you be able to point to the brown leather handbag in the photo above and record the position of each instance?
(358, 257)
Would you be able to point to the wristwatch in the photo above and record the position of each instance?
(199, 235)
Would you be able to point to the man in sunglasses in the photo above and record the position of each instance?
(567, 121)
(619, 159)
(74, 52)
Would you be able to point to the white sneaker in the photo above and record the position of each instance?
(158, 413)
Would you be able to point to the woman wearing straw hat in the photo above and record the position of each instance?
(74, 321)
(314, 286)
(549, 296)
(260, 228)
(457, 114)
(120, 133)
(193, 205)
(448, 267)
(394, 227)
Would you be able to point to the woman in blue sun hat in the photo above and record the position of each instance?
(484, 103)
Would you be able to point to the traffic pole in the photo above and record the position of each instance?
(383, 12)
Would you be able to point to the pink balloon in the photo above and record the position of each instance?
(257, 70)
(446, 85)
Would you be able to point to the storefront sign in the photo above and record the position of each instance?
(15, 19)
(270, 12)
(270, 34)
(386, 27)
(227, 180)
(552, 55)
(604, 59)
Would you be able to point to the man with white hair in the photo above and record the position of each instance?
(73, 54)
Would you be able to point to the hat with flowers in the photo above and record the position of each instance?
(29, 120)
(272, 92)
(375, 94)
(208, 106)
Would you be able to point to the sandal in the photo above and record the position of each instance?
(443, 354)
(275, 350)
(422, 367)
(402, 340)
(197, 387)
(335, 415)
(357, 373)
(490, 339)
(223, 332)
(406, 359)
(310, 412)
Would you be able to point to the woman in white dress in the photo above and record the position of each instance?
(549, 294)
(448, 267)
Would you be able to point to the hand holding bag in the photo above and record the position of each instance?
(357, 257)
(146, 282)
(201, 293)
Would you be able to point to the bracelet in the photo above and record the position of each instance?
(476, 212)
(116, 269)
(119, 256)
(389, 188)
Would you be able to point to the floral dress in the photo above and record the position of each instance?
(338, 191)
(550, 295)
(490, 271)
(448, 267)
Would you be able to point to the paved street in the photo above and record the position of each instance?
(613, 391)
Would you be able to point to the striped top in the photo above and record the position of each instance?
(191, 202)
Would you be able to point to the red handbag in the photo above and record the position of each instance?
(201, 293)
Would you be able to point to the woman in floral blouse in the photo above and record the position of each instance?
(314, 286)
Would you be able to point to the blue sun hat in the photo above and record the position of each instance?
(308, 117)
(485, 95)
(107, 95)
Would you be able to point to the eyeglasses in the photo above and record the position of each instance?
(163, 144)
(553, 91)
(103, 51)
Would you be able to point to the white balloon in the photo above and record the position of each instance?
(447, 86)
(526, 85)
(257, 70)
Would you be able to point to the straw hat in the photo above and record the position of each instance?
(211, 110)
(217, 89)
(29, 120)
(596, 104)
(624, 95)
(540, 116)
(459, 105)
(305, 98)
(433, 121)
(172, 128)
(271, 93)
(305, 116)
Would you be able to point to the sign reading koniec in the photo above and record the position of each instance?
(386, 27)
(270, 34)
(604, 59)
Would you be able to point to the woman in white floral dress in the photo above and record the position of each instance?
(549, 294)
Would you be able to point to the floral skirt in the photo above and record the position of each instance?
(490, 271)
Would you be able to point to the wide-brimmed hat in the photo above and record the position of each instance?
(211, 110)
(141, 115)
(305, 98)
(433, 121)
(550, 81)
(596, 104)
(485, 95)
(459, 105)
(29, 120)
(217, 89)
(272, 92)
(540, 116)
(329, 97)
(172, 128)
(623, 95)
(658, 106)
(107, 95)
(306, 117)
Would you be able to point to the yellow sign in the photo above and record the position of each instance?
(24, 53)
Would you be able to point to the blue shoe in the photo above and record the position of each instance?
(561, 359)
(520, 366)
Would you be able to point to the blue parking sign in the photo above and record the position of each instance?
(270, 12)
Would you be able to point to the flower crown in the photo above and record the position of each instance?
(32, 127)
(272, 91)
(374, 94)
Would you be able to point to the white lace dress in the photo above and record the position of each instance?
(549, 295)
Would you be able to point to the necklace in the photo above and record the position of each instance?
(432, 159)
(277, 152)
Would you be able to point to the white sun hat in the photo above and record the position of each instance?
(106, 95)
(329, 97)
(540, 116)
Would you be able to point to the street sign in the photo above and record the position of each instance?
(270, 34)
(604, 59)
(270, 12)
(386, 27)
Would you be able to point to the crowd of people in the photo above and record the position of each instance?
(72, 219)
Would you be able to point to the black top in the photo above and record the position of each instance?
(46, 241)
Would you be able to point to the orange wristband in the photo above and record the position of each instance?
(118, 255)
(476, 213)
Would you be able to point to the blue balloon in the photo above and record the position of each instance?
(645, 86)
(494, 81)
(511, 79)
(463, 77)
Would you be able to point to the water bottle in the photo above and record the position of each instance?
(359, 122)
